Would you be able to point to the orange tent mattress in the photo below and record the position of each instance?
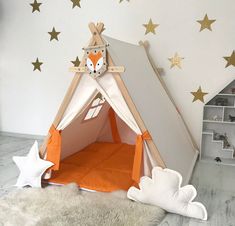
(101, 166)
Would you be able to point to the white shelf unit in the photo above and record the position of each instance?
(216, 120)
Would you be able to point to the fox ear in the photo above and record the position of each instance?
(99, 64)
(90, 64)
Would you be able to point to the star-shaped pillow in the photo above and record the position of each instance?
(31, 167)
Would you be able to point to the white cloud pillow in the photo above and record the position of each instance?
(164, 190)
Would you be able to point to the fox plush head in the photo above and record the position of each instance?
(95, 60)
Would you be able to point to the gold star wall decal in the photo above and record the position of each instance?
(37, 65)
(54, 34)
(76, 3)
(206, 23)
(176, 61)
(199, 95)
(230, 59)
(76, 62)
(150, 27)
(35, 5)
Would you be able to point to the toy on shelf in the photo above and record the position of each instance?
(220, 101)
(216, 118)
(224, 138)
(218, 159)
(233, 90)
(231, 118)
(217, 136)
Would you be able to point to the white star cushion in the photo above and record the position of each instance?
(31, 168)
(164, 190)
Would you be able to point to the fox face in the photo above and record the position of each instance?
(95, 61)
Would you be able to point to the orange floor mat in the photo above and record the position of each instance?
(100, 166)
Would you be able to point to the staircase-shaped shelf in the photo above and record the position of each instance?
(218, 134)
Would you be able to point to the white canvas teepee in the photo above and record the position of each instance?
(125, 105)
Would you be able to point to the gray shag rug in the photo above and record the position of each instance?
(67, 205)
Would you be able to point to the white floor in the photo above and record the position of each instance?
(215, 184)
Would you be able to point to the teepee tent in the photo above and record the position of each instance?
(116, 121)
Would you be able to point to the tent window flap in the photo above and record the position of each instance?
(95, 108)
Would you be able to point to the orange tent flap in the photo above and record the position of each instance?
(139, 155)
(54, 147)
(113, 124)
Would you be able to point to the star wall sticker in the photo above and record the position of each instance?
(176, 60)
(35, 6)
(37, 65)
(150, 27)
(76, 3)
(230, 59)
(54, 34)
(76, 62)
(199, 95)
(206, 23)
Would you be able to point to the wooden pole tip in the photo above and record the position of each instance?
(145, 44)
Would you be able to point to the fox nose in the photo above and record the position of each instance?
(94, 71)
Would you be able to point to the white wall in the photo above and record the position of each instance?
(29, 100)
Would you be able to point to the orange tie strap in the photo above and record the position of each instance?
(54, 147)
(139, 155)
(113, 124)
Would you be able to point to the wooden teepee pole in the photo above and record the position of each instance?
(70, 92)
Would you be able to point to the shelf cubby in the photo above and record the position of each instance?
(213, 114)
(230, 100)
(227, 113)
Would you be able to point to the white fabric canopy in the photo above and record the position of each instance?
(84, 93)
(87, 90)
(159, 114)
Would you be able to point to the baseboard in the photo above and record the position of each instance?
(21, 135)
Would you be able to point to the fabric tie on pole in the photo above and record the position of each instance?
(139, 155)
(54, 147)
